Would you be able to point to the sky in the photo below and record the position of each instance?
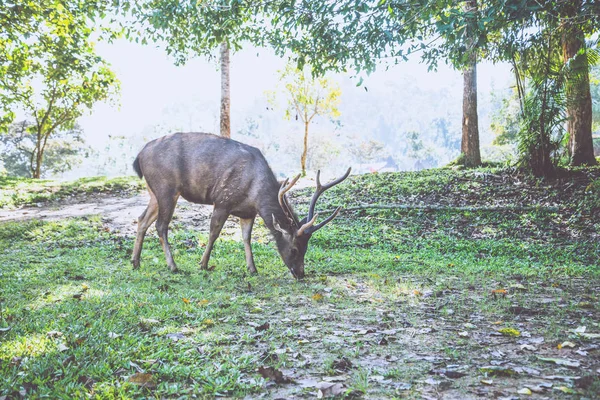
(154, 91)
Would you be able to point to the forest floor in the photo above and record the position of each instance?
(437, 284)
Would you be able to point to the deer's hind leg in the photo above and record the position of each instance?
(144, 222)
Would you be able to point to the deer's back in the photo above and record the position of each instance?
(206, 169)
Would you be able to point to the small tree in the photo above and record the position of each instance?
(63, 151)
(308, 97)
(65, 88)
(56, 75)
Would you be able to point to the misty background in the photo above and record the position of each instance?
(401, 117)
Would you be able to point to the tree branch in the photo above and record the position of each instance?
(444, 208)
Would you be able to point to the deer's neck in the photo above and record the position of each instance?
(270, 207)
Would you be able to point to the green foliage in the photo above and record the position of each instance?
(63, 151)
(190, 28)
(49, 69)
(47, 44)
(308, 97)
(16, 192)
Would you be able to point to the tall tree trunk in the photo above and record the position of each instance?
(225, 92)
(304, 149)
(579, 98)
(469, 147)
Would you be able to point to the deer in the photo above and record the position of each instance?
(236, 179)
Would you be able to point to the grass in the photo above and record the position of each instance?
(387, 290)
(16, 192)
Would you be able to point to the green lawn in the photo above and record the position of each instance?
(23, 191)
(401, 303)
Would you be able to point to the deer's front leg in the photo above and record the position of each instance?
(247, 224)
(217, 221)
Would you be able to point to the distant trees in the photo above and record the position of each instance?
(193, 28)
(307, 98)
(19, 149)
(530, 34)
(49, 70)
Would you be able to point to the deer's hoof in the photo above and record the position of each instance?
(136, 264)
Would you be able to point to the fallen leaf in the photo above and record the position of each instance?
(580, 329)
(343, 364)
(417, 293)
(113, 335)
(561, 361)
(208, 322)
(186, 301)
(566, 390)
(463, 334)
(590, 335)
(526, 391)
(499, 292)
(5, 329)
(203, 302)
(447, 373)
(495, 370)
(61, 347)
(328, 389)
(486, 381)
(518, 286)
(262, 327)
(146, 323)
(85, 287)
(528, 347)
(317, 297)
(175, 336)
(54, 334)
(142, 379)
(273, 375)
(511, 332)
(566, 344)
(340, 378)
(468, 325)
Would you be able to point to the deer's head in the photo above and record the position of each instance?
(295, 234)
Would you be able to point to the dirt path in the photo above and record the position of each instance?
(119, 214)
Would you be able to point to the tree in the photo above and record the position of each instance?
(64, 78)
(470, 155)
(579, 104)
(31, 31)
(308, 97)
(19, 145)
(225, 92)
(192, 28)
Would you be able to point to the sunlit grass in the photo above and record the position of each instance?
(15, 192)
(195, 331)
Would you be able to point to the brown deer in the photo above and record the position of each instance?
(237, 180)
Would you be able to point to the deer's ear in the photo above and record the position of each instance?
(278, 227)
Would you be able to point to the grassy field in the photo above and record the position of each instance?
(437, 284)
(23, 191)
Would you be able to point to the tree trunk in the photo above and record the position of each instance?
(225, 92)
(579, 99)
(470, 156)
(305, 149)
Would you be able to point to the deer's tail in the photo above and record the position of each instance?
(136, 167)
